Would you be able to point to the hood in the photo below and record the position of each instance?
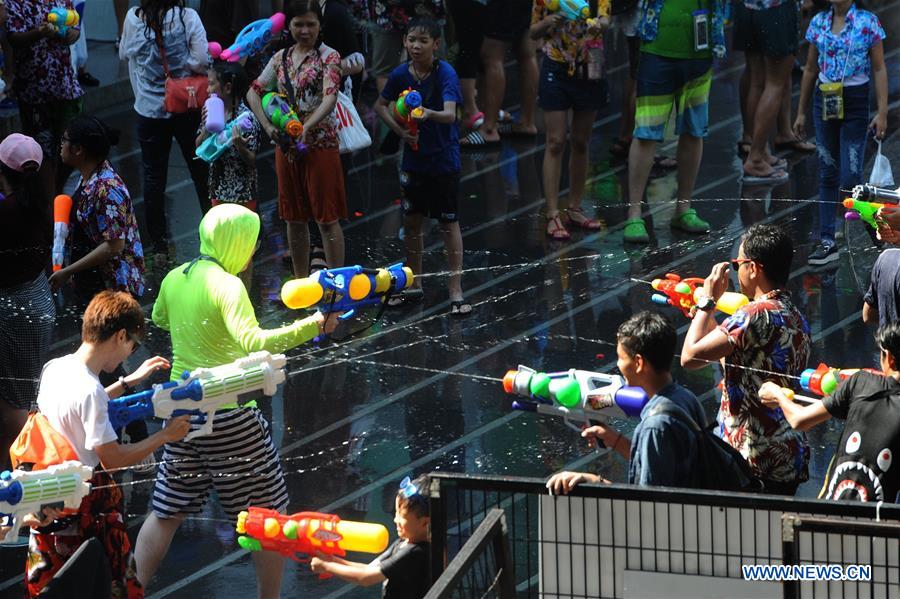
(228, 233)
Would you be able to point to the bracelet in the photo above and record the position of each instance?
(128, 390)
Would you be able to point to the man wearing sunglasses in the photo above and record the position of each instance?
(768, 339)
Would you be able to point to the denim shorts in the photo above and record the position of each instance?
(558, 91)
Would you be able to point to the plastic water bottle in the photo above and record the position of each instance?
(215, 114)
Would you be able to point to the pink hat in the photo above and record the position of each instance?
(17, 150)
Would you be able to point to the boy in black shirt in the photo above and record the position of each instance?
(403, 568)
(870, 405)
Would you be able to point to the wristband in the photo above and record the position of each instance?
(128, 390)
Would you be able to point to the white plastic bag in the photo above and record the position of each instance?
(881, 171)
(352, 134)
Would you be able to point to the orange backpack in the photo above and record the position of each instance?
(40, 445)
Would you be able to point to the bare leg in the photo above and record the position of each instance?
(470, 106)
(298, 242)
(640, 162)
(415, 245)
(492, 53)
(755, 73)
(629, 91)
(453, 244)
(528, 78)
(556, 123)
(776, 73)
(690, 151)
(121, 8)
(582, 123)
(333, 243)
(269, 571)
(746, 114)
(152, 544)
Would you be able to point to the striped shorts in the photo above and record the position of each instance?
(666, 82)
(239, 460)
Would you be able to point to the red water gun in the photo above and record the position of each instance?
(683, 294)
(823, 380)
(262, 529)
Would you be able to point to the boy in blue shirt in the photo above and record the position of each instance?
(429, 176)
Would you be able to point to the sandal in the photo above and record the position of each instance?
(473, 122)
(474, 139)
(636, 231)
(410, 296)
(556, 230)
(689, 222)
(460, 308)
(591, 224)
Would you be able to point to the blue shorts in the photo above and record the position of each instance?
(664, 83)
(559, 91)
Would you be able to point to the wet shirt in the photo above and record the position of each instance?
(863, 467)
(676, 25)
(648, 24)
(405, 566)
(883, 293)
(393, 15)
(845, 55)
(43, 69)
(103, 212)
(768, 336)
(230, 178)
(567, 43)
(318, 75)
(438, 151)
(664, 451)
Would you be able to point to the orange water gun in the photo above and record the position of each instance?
(683, 294)
(62, 207)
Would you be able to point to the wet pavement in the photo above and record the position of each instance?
(420, 391)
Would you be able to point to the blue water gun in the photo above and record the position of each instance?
(346, 289)
(250, 40)
(62, 19)
(216, 144)
(572, 10)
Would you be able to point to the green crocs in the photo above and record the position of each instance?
(636, 231)
(689, 222)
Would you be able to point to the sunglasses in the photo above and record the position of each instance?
(737, 262)
(136, 343)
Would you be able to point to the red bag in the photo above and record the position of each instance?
(183, 94)
(40, 445)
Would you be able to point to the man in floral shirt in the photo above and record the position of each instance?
(45, 83)
(766, 340)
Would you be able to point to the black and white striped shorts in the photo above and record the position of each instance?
(238, 459)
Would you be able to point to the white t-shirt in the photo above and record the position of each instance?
(74, 402)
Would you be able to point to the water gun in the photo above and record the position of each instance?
(823, 380)
(251, 40)
(24, 492)
(346, 289)
(572, 10)
(860, 208)
(577, 394)
(216, 144)
(408, 110)
(62, 19)
(684, 293)
(280, 114)
(201, 391)
(62, 208)
(262, 529)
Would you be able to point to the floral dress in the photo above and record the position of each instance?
(104, 212)
(567, 43)
(318, 75)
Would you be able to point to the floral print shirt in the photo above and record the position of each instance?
(103, 212)
(318, 75)
(43, 70)
(648, 24)
(845, 55)
(567, 43)
(768, 336)
(393, 15)
(230, 178)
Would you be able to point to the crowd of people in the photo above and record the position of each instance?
(671, 48)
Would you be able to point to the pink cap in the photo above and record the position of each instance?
(17, 150)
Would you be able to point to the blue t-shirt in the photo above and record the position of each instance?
(438, 143)
(664, 451)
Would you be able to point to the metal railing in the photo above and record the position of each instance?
(621, 540)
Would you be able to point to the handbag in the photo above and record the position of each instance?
(40, 445)
(183, 94)
(352, 134)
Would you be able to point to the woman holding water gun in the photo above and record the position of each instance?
(845, 52)
(311, 186)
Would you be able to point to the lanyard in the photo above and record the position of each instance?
(847, 27)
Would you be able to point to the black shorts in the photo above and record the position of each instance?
(558, 91)
(432, 196)
(773, 32)
(507, 20)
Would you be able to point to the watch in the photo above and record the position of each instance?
(707, 304)
(126, 388)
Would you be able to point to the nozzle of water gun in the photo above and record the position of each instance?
(241, 527)
(509, 380)
(294, 128)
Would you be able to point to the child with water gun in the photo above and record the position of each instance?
(429, 177)
(403, 568)
(841, 65)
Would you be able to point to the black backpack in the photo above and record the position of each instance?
(721, 466)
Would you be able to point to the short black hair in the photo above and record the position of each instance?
(651, 336)
(297, 8)
(233, 73)
(417, 503)
(888, 337)
(772, 249)
(93, 135)
(426, 24)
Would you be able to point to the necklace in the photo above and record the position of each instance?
(418, 77)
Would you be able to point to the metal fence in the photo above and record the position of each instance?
(618, 541)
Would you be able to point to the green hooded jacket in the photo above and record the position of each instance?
(205, 307)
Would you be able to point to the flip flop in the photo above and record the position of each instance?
(406, 297)
(512, 129)
(504, 117)
(556, 230)
(460, 308)
(779, 164)
(474, 139)
(775, 176)
(796, 145)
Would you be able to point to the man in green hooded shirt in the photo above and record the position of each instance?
(205, 307)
